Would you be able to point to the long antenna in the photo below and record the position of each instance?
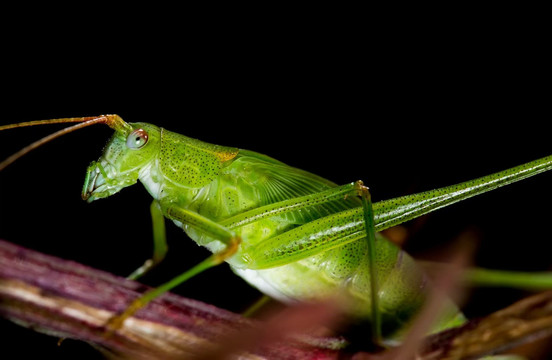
(113, 121)
(46, 122)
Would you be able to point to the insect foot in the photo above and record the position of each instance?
(116, 322)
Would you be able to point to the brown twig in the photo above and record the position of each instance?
(525, 321)
(69, 300)
(66, 299)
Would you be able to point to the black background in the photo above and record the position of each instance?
(405, 104)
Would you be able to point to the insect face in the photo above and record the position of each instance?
(124, 157)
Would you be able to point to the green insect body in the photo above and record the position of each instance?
(293, 235)
(220, 182)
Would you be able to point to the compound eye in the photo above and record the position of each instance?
(137, 139)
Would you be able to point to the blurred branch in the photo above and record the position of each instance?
(69, 300)
(66, 299)
(525, 321)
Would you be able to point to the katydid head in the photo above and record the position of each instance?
(125, 156)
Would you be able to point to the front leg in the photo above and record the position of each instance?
(205, 225)
(159, 241)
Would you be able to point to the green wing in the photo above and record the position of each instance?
(274, 181)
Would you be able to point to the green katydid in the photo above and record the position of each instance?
(293, 235)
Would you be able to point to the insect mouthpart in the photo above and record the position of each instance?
(102, 180)
(94, 180)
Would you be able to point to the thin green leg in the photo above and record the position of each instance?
(252, 310)
(210, 228)
(116, 322)
(159, 242)
(513, 279)
(376, 324)
(476, 276)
